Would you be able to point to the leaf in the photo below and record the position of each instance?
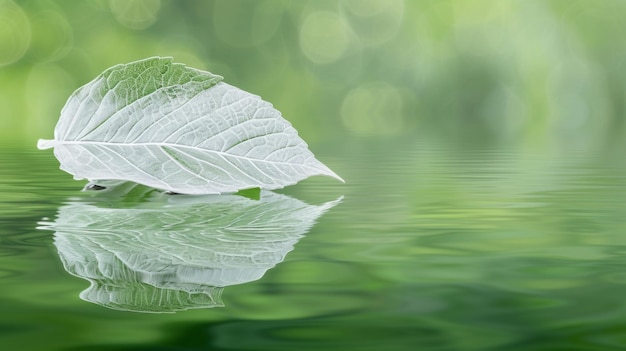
(169, 253)
(176, 128)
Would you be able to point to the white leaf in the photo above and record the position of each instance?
(176, 128)
(176, 252)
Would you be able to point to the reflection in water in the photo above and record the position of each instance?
(177, 252)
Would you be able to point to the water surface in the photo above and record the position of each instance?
(429, 247)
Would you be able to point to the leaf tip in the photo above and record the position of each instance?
(43, 144)
(329, 173)
(334, 175)
(323, 170)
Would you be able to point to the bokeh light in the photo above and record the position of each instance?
(135, 14)
(324, 37)
(14, 32)
(375, 21)
(245, 24)
(52, 36)
(373, 109)
(518, 72)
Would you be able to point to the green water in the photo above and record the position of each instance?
(426, 247)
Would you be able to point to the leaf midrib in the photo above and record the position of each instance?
(221, 153)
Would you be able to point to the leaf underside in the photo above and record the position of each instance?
(179, 129)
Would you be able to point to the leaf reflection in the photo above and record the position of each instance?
(175, 253)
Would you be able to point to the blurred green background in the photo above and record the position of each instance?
(480, 141)
(528, 72)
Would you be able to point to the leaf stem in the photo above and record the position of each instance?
(43, 144)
